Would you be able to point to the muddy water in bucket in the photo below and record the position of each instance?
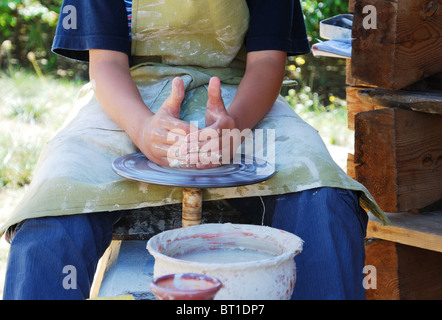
(252, 262)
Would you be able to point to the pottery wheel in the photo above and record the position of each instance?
(248, 171)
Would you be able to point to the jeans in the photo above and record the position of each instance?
(56, 257)
(333, 227)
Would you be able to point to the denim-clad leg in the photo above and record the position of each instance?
(46, 251)
(332, 225)
(56, 257)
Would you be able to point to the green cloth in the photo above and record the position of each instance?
(181, 32)
(74, 173)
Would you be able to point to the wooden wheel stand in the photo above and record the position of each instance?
(192, 206)
(394, 104)
(126, 266)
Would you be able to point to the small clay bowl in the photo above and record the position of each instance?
(185, 286)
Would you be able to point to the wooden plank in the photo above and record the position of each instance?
(430, 101)
(109, 258)
(360, 99)
(399, 157)
(423, 230)
(405, 46)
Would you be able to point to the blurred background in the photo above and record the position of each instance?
(38, 90)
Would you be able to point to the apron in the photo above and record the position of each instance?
(194, 40)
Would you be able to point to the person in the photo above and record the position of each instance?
(161, 68)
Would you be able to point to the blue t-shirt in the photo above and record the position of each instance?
(105, 24)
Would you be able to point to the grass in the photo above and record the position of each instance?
(32, 109)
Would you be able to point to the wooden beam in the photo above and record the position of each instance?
(398, 156)
(350, 80)
(405, 46)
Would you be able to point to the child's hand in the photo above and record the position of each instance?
(165, 136)
(169, 141)
(216, 147)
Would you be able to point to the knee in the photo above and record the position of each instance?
(340, 207)
(321, 207)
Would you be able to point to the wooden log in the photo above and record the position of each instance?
(398, 156)
(404, 47)
(403, 272)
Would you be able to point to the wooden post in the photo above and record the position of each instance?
(192, 206)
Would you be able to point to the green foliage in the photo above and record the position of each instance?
(31, 19)
(315, 11)
(28, 26)
(321, 79)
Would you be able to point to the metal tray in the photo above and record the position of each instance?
(336, 28)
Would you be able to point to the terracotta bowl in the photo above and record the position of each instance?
(185, 286)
